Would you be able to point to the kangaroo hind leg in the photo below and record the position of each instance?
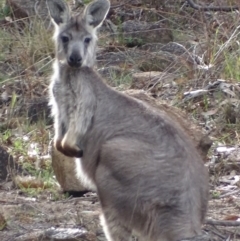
(113, 229)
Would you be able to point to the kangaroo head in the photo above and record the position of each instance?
(75, 36)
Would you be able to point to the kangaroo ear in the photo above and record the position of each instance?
(96, 12)
(59, 11)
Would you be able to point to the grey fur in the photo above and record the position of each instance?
(149, 177)
(59, 11)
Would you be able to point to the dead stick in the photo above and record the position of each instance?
(223, 223)
(210, 8)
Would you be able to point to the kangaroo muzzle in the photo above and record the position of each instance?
(75, 60)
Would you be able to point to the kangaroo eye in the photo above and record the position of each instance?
(87, 40)
(65, 39)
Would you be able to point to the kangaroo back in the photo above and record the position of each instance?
(149, 177)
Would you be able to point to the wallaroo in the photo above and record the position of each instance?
(149, 177)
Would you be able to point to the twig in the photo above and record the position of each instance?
(216, 232)
(223, 223)
(118, 5)
(7, 202)
(210, 8)
(226, 44)
(229, 193)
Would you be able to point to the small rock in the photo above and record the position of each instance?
(135, 33)
(133, 59)
(27, 9)
(21, 8)
(144, 80)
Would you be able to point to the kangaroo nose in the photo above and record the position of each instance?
(75, 60)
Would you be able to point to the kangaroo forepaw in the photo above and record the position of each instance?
(71, 151)
(67, 150)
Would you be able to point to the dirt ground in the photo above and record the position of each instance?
(77, 218)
